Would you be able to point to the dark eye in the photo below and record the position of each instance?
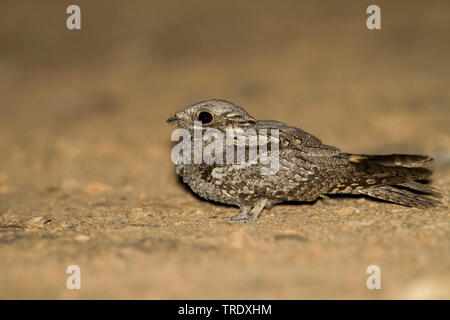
(205, 117)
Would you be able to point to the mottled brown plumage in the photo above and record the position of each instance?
(307, 170)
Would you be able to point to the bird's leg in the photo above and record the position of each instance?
(242, 216)
(257, 209)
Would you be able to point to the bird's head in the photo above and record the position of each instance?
(218, 114)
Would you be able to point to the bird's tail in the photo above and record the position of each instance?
(403, 160)
(391, 178)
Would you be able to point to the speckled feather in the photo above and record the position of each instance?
(308, 168)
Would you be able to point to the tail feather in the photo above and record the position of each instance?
(403, 160)
(391, 169)
(366, 176)
(422, 188)
(400, 196)
(389, 177)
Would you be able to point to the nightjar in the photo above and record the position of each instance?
(307, 168)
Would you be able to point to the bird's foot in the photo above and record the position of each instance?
(244, 217)
(241, 217)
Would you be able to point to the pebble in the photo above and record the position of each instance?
(37, 221)
(97, 188)
(82, 238)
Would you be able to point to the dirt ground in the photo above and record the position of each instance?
(85, 170)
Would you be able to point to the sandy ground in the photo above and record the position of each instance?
(85, 170)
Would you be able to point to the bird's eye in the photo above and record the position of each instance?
(205, 117)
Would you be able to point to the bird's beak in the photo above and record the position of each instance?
(173, 119)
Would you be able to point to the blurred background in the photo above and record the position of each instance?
(85, 170)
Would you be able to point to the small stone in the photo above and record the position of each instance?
(65, 225)
(37, 221)
(97, 188)
(366, 223)
(82, 238)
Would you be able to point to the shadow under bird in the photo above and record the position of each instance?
(308, 169)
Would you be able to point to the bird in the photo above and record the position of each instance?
(307, 168)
